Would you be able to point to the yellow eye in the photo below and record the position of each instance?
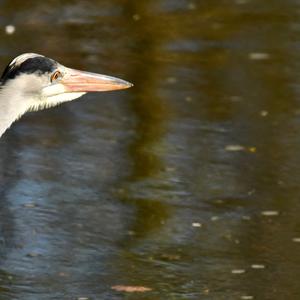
(55, 76)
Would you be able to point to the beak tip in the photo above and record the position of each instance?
(127, 84)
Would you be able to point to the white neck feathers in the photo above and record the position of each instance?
(13, 102)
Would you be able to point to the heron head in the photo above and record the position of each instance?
(45, 82)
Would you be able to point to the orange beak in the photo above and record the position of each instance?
(81, 81)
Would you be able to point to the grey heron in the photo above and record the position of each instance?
(33, 82)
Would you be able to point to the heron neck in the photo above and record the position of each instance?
(13, 104)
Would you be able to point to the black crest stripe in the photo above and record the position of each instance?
(38, 64)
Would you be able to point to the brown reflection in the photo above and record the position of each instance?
(152, 114)
(149, 108)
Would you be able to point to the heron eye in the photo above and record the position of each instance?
(55, 76)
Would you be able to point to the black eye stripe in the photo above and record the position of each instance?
(39, 64)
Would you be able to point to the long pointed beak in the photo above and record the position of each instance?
(81, 81)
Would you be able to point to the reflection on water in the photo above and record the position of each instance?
(187, 183)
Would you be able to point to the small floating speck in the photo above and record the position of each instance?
(136, 17)
(259, 56)
(228, 236)
(192, 6)
(296, 240)
(264, 113)
(196, 224)
(247, 297)
(252, 149)
(236, 98)
(83, 298)
(33, 254)
(170, 256)
(121, 191)
(234, 148)
(270, 213)
(246, 218)
(251, 192)
(219, 201)
(30, 205)
(216, 26)
(188, 99)
(10, 29)
(170, 169)
(214, 218)
(257, 266)
(171, 80)
(131, 232)
(238, 271)
(131, 289)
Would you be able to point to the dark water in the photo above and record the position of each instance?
(188, 183)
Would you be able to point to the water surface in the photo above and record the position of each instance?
(188, 183)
